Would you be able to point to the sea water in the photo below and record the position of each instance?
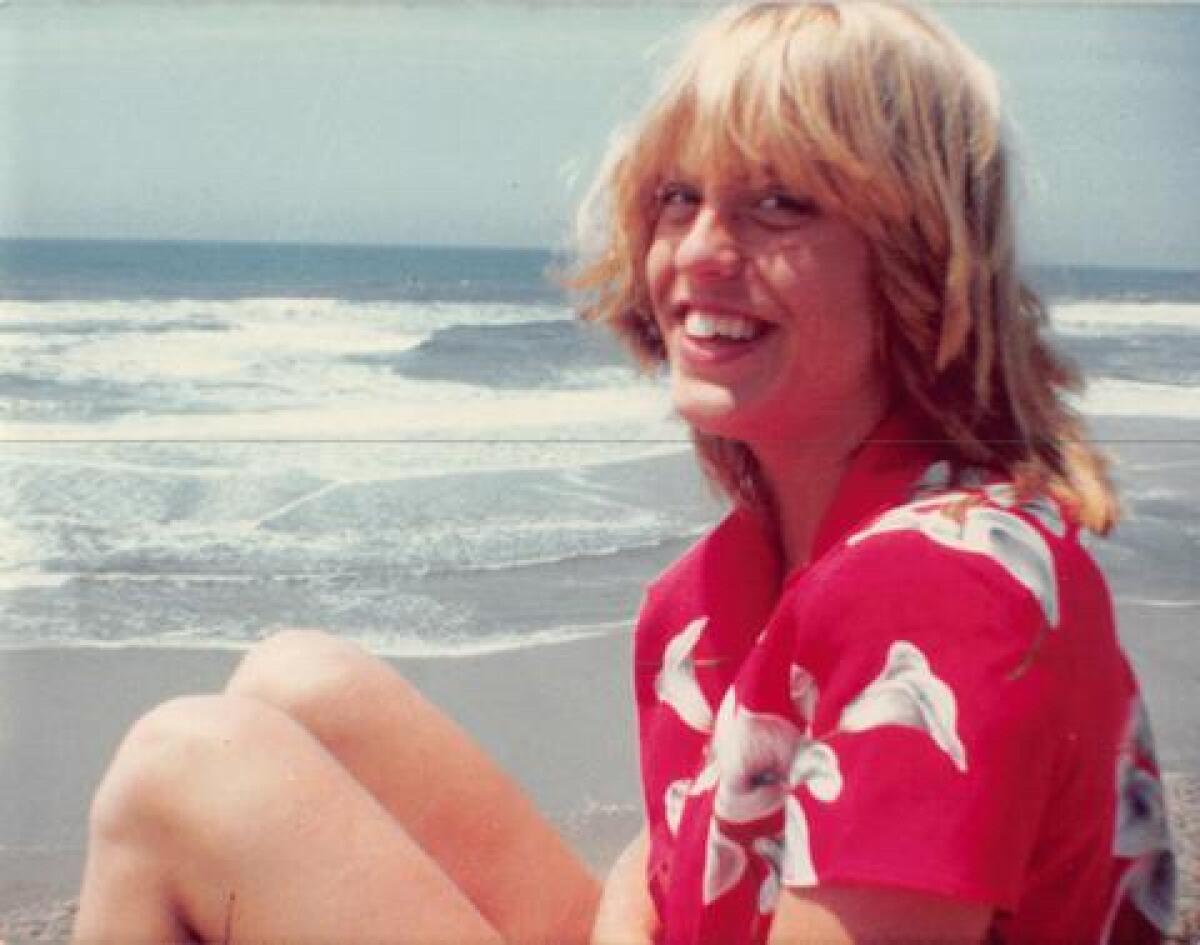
(421, 449)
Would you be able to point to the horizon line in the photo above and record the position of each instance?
(560, 251)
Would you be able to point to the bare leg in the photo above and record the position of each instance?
(224, 820)
(469, 817)
(322, 776)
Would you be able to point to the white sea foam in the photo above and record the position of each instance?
(337, 463)
(1158, 603)
(632, 418)
(263, 521)
(136, 316)
(20, 553)
(219, 357)
(299, 370)
(1091, 318)
(1157, 466)
(1120, 398)
(421, 317)
(492, 643)
(378, 642)
(16, 580)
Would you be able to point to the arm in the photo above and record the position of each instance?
(626, 915)
(862, 915)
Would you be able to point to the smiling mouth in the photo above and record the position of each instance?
(702, 326)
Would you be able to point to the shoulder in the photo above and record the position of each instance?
(978, 578)
(981, 543)
(956, 613)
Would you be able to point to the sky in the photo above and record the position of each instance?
(480, 123)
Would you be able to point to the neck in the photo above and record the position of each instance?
(803, 478)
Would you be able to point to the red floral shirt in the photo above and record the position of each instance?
(937, 703)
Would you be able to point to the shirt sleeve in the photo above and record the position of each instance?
(934, 720)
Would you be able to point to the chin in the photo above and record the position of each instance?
(729, 424)
(714, 412)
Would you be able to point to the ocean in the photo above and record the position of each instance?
(420, 448)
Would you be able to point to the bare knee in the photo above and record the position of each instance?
(198, 786)
(323, 682)
(162, 776)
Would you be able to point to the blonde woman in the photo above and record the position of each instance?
(881, 701)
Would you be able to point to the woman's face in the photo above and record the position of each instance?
(766, 308)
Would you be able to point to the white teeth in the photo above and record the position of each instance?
(704, 326)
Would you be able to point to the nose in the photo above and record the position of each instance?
(709, 248)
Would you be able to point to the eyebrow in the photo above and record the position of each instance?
(744, 179)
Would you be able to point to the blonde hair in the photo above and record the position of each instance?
(887, 120)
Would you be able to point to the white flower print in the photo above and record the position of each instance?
(908, 693)
(724, 864)
(802, 689)
(1152, 887)
(1141, 831)
(1040, 507)
(673, 801)
(771, 851)
(760, 760)
(941, 475)
(816, 767)
(936, 478)
(757, 760)
(707, 778)
(1141, 819)
(1002, 493)
(797, 869)
(753, 753)
(1141, 813)
(1007, 539)
(905, 693)
(1142, 733)
(677, 792)
(676, 683)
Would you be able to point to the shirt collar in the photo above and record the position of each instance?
(881, 473)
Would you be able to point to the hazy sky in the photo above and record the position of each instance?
(477, 123)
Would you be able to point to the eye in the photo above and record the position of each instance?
(778, 208)
(676, 202)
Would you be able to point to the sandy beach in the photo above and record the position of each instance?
(558, 717)
(573, 754)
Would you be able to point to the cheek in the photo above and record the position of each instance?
(658, 271)
(826, 285)
(834, 317)
(657, 266)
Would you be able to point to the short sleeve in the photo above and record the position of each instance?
(935, 711)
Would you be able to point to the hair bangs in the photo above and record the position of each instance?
(735, 108)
